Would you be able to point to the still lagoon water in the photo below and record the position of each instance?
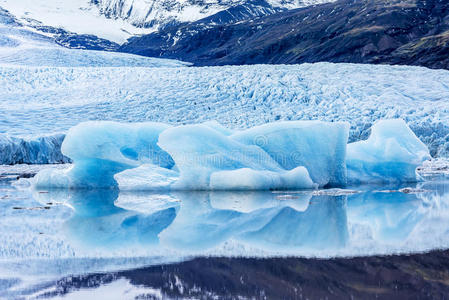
(83, 243)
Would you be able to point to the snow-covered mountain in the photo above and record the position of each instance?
(118, 20)
(149, 13)
(77, 16)
(24, 46)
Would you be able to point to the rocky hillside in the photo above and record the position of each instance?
(412, 32)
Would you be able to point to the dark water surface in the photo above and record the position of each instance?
(418, 276)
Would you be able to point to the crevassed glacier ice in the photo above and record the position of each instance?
(391, 153)
(238, 97)
(156, 156)
(42, 150)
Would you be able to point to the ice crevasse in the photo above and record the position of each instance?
(208, 156)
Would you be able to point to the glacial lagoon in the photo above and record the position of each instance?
(52, 235)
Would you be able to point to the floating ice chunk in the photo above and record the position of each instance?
(100, 150)
(318, 146)
(52, 178)
(200, 150)
(249, 179)
(391, 153)
(285, 155)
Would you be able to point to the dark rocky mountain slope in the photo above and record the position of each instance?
(411, 32)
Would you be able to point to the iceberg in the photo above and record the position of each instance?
(318, 146)
(249, 179)
(208, 159)
(279, 156)
(100, 150)
(391, 153)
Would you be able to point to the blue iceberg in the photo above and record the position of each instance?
(208, 159)
(284, 155)
(391, 153)
(318, 146)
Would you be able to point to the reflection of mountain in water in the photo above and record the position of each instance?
(420, 276)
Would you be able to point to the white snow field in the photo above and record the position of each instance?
(22, 46)
(37, 101)
(79, 16)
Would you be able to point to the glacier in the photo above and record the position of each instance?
(238, 97)
(21, 47)
(41, 150)
(277, 156)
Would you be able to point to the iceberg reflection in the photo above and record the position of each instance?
(390, 216)
(198, 221)
(239, 223)
(206, 220)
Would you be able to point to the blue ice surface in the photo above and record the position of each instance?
(278, 156)
(391, 153)
(318, 146)
(102, 149)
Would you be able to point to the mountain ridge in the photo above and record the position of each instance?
(380, 32)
